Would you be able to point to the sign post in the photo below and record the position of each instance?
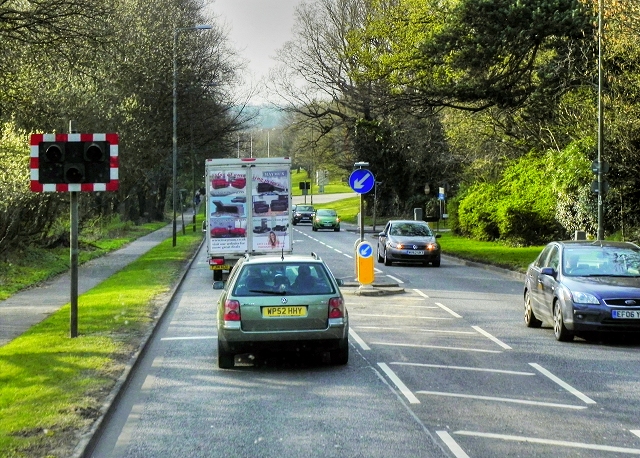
(73, 163)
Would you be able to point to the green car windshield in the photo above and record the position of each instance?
(283, 279)
(330, 213)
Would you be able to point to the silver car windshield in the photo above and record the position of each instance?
(601, 261)
(410, 230)
(283, 279)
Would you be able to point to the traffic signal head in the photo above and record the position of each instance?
(74, 162)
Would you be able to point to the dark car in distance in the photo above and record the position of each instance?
(408, 241)
(303, 214)
(583, 287)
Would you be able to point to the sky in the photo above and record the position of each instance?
(257, 28)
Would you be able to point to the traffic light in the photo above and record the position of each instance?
(74, 162)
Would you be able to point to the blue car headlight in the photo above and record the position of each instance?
(578, 297)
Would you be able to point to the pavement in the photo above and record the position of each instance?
(30, 306)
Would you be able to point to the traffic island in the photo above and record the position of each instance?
(374, 289)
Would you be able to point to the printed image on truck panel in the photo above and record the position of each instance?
(270, 233)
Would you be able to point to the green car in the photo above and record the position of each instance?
(283, 303)
(326, 218)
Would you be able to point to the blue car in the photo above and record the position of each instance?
(584, 287)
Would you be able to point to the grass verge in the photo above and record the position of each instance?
(52, 386)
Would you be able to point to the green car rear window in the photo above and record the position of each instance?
(283, 279)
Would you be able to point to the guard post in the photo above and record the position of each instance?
(364, 263)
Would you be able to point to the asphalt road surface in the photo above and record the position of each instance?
(446, 369)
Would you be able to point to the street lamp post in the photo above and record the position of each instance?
(176, 32)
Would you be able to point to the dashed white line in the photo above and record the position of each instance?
(509, 400)
(447, 309)
(435, 346)
(492, 338)
(400, 316)
(401, 386)
(533, 440)
(395, 279)
(404, 329)
(635, 431)
(421, 293)
(452, 444)
(357, 338)
(586, 399)
(464, 368)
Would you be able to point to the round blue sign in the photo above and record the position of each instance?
(362, 181)
(365, 250)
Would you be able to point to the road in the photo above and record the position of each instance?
(446, 369)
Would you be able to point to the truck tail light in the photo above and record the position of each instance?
(216, 261)
(231, 310)
(336, 308)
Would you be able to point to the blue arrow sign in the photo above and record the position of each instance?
(365, 249)
(361, 181)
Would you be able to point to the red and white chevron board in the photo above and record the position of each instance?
(36, 186)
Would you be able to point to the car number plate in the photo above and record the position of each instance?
(626, 314)
(271, 312)
(418, 252)
(219, 266)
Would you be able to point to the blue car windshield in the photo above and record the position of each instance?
(601, 261)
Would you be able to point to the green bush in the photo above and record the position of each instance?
(476, 212)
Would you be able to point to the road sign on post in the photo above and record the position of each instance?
(362, 181)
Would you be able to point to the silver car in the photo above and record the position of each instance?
(281, 303)
(408, 241)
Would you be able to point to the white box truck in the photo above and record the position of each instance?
(248, 204)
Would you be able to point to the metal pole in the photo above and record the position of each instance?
(73, 318)
(175, 120)
(175, 130)
(362, 217)
(600, 235)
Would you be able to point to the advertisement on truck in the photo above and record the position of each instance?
(248, 208)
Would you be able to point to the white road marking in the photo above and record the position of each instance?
(376, 270)
(447, 309)
(586, 399)
(395, 279)
(452, 444)
(404, 329)
(464, 368)
(347, 255)
(435, 346)
(357, 338)
(421, 293)
(190, 338)
(492, 338)
(492, 398)
(337, 251)
(401, 386)
(603, 448)
(635, 431)
(400, 316)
